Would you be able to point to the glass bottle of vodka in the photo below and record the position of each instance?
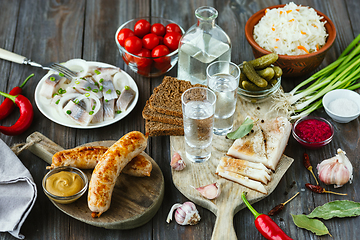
(204, 43)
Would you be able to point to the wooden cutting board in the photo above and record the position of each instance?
(134, 202)
(200, 174)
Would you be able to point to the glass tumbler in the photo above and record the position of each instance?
(223, 79)
(198, 106)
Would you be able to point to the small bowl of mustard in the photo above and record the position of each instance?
(65, 184)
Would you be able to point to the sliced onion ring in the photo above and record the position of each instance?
(78, 65)
(77, 96)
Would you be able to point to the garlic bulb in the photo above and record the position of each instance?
(177, 163)
(336, 170)
(210, 191)
(186, 214)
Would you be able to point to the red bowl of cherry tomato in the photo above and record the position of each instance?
(149, 45)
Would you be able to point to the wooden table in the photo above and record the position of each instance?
(57, 31)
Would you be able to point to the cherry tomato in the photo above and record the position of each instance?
(161, 40)
(124, 34)
(141, 28)
(128, 58)
(172, 27)
(171, 40)
(163, 66)
(142, 60)
(133, 44)
(158, 29)
(159, 51)
(150, 41)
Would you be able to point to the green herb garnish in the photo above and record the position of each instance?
(244, 129)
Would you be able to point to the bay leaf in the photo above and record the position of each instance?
(313, 225)
(244, 129)
(338, 208)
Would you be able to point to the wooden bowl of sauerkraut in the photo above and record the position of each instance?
(300, 35)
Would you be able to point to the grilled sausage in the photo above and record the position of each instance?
(108, 169)
(88, 157)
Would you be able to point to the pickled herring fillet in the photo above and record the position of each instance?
(84, 86)
(125, 98)
(99, 116)
(250, 147)
(109, 90)
(50, 85)
(77, 113)
(242, 167)
(245, 181)
(109, 109)
(276, 132)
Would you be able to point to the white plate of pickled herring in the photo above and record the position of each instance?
(100, 95)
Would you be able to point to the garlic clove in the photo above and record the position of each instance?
(210, 191)
(185, 214)
(336, 170)
(177, 163)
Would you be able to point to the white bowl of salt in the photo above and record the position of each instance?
(342, 105)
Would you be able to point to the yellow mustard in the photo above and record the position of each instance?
(64, 184)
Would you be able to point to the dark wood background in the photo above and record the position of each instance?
(59, 30)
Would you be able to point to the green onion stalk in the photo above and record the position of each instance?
(307, 96)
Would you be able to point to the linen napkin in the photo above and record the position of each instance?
(17, 192)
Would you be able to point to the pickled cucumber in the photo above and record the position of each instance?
(247, 85)
(278, 71)
(251, 74)
(264, 61)
(267, 73)
(241, 79)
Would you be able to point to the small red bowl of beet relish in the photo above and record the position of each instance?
(313, 132)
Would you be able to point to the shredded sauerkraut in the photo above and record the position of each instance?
(291, 30)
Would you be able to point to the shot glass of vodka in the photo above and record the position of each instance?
(223, 79)
(198, 106)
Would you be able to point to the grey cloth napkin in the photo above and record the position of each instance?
(17, 192)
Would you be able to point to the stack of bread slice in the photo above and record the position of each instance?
(163, 110)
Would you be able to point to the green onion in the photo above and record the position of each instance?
(118, 112)
(54, 94)
(118, 92)
(307, 96)
(97, 72)
(106, 100)
(76, 101)
(127, 87)
(68, 112)
(95, 90)
(61, 91)
(93, 108)
(52, 79)
(91, 112)
(101, 80)
(61, 75)
(101, 88)
(87, 94)
(57, 102)
(108, 91)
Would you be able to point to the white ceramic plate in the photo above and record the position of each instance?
(51, 113)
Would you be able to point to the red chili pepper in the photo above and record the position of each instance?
(7, 105)
(306, 162)
(264, 224)
(318, 189)
(26, 115)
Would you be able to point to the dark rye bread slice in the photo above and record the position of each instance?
(150, 114)
(166, 98)
(162, 129)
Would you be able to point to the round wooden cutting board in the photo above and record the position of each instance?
(134, 202)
